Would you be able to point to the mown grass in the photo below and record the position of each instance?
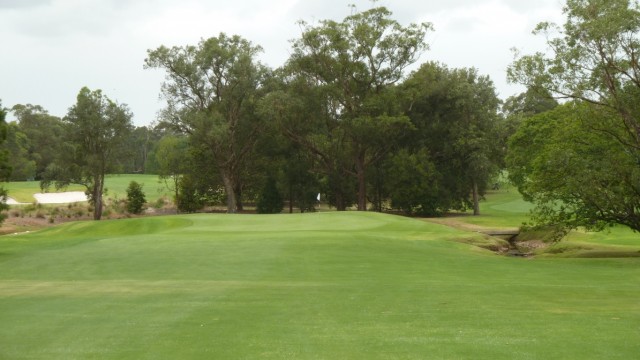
(303, 286)
(116, 186)
(501, 208)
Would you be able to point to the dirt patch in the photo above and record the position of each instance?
(13, 225)
(503, 241)
(456, 223)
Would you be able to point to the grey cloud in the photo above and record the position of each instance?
(22, 4)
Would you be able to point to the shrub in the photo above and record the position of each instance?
(190, 198)
(160, 203)
(270, 201)
(135, 198)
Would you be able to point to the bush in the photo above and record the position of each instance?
(190, 198)
(135, 198)
(414, 187)
(270, 200)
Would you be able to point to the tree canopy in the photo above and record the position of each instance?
(455, 112)
(588, 177)
(94, 131)
(211, 92)
(354, 64)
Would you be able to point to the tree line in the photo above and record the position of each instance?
(344, 118)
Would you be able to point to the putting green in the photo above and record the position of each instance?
(303, 286)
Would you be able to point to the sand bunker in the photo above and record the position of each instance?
(12, 201)
(54, 198)
(60, 198)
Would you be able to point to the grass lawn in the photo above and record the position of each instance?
(116, 186)
(501, 208)
(304, 286)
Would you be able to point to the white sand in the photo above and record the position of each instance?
(12, 201)
(60, 198)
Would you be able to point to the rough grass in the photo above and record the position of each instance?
(505, 209)
(303, 286)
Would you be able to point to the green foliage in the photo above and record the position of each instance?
(17, 144)
(455, 113)
(138, 151)
(211, 90)
(270, 201)
(135, 198)
(579, 164)
(172, 159)
(415, 185)
(575, 176)
(43, 137)
(354, 66)
(190, 196)
(94, 131)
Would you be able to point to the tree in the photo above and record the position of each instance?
(142, 140)
(94, 130)
(355, 64)
(17, 144)
(592, 58)
(43, 133)
(211, 90)
(415, 185)
(299, 111)
(270, 200)
(173, 162)
(531, 102)
(593, 61)
(289, 163)
(5, 170)
(135, 198)
(575, 177)
(517, 108)
(455, 112)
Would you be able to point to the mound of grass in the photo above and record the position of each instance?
(303, 286)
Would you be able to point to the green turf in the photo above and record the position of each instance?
(501, 208)
(116, 186)
(303, 286)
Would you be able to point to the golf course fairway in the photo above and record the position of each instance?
(333, 285)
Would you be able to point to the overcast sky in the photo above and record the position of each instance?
(52, 48)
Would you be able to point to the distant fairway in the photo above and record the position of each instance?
(304, 286)
(116, 186)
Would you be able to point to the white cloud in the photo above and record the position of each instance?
(51, 48)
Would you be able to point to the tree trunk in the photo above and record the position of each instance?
(476, 199)
(340, 203)
(231, 196)
(176, 187)
(98, 186)
(290, 197)
(378, 199)
(362, 183)
(238, 195)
